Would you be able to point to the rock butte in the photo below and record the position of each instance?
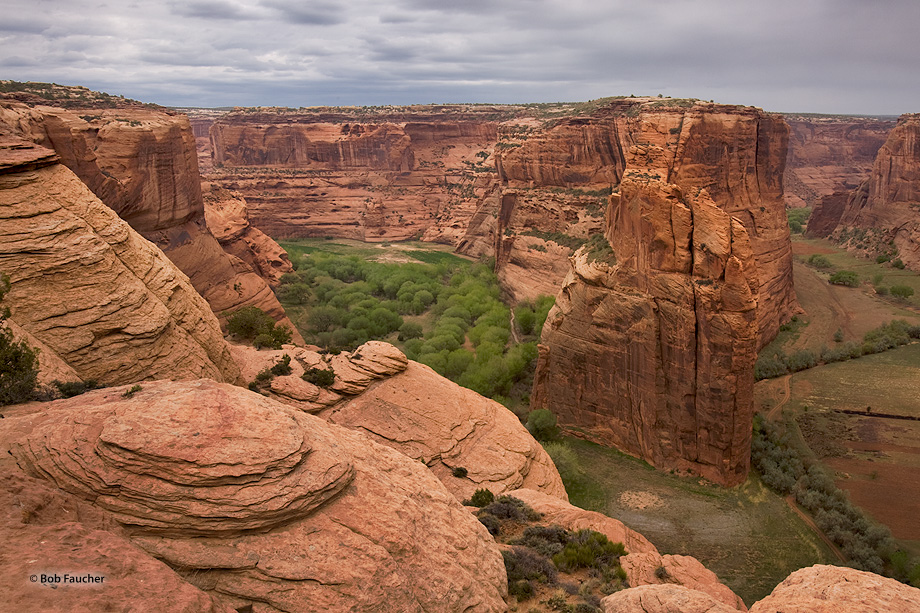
(101, 301)
(256, 503)
(882, 212)
(142, 163)
(407, 406)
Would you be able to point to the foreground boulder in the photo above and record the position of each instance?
(663, 599)
(833, 589)
(92, 293)
(46, 531)
(653, 569)
(468, 441)
(259, 504)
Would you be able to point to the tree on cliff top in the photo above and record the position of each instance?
(18, 361)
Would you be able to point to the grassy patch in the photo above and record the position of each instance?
(747, 535)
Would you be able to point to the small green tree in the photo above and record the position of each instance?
(18, 361)
(254, 325)
(902, 292)
(542, 425)
(845, 277)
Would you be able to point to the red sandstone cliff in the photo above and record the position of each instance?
(654, 354)
(96, 296)
(883, 211)
(142, 164)
(829, 154)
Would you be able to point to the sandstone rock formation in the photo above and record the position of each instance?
(832, 589)
(654, 354)
(882, 212)
(644, 569)
(142, 163)
(90, 290)
(829, 154)
(228, 220)
(409, 407)
(663, 599)
(46, 531)
(259, 504)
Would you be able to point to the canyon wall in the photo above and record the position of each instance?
(96, 295)
(881, 215)
(654, 353)
(142, 163)
(830, 154)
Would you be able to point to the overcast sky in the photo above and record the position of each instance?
(832, 56)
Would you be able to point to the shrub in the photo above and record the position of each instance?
(588, 549)
(838, 335)
(845, 277)
(491, 523)
(902, 292)
(459, 472)
(18, 361)
(480, 498)
(321, 377)
(881, 290)
(508, 507)
(898, 264)
(69, 389)
(661, 573)
(252, 324)
(819, 261)
(283, 367)
(541, 423)
(409, 330)
(546, 540)
(566, 461)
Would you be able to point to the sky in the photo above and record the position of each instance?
(822, 56)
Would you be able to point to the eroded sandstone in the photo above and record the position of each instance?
(256, 503)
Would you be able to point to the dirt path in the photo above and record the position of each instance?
(792, 505)
(787, 391)
(514, 333)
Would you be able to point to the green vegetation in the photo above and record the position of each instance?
(866, 544)
(542, 425)
(18, 361)
(776, 363)
(321, 377)
(845, 277)
(69, 389)
(129, 393)
(481, 498)
(902, 291)
(819, 261)
(254, 325)
(797, 219)
(560, 238)
(443, 311)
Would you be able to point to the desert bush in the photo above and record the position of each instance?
(18, 361)
(541, 423)
(69, 389)
(252, 324)
(320, 377)
(525, 566)
(845, 277)
(588, 549)
(282, 367)
(902, 292)
(546, 540)
(491, 523)
(566, 461)
(480, 498)
(898, 264)
(459, 472)
(508, 507)
(819, 261)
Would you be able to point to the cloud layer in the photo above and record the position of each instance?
(833, 56)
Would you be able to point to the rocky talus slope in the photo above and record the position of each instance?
(468, 441)
(881, 215)
(142, 163)
(829, 155)
(92, 293)
(654, 353)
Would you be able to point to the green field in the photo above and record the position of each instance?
(747, 535)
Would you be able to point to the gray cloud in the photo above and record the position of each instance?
(788, 55)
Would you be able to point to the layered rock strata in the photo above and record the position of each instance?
(829, 155)
(142, 163)
(96, 295)
(258, 504)
(47, 532)
(654, 353)
(468, 442)
(882, 213)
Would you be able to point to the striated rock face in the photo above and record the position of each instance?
(654, 354)
(409, 407)
(228, 220)
(882, 212)
(142, 163)
(96, 295)
(48, 532)
(643, 569)
(832, 589)
(663, 599)
(361, 174)
(256, 503)
(829, 155)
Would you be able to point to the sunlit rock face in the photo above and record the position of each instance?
(653, 353)
(142, 163)
(100, 301)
